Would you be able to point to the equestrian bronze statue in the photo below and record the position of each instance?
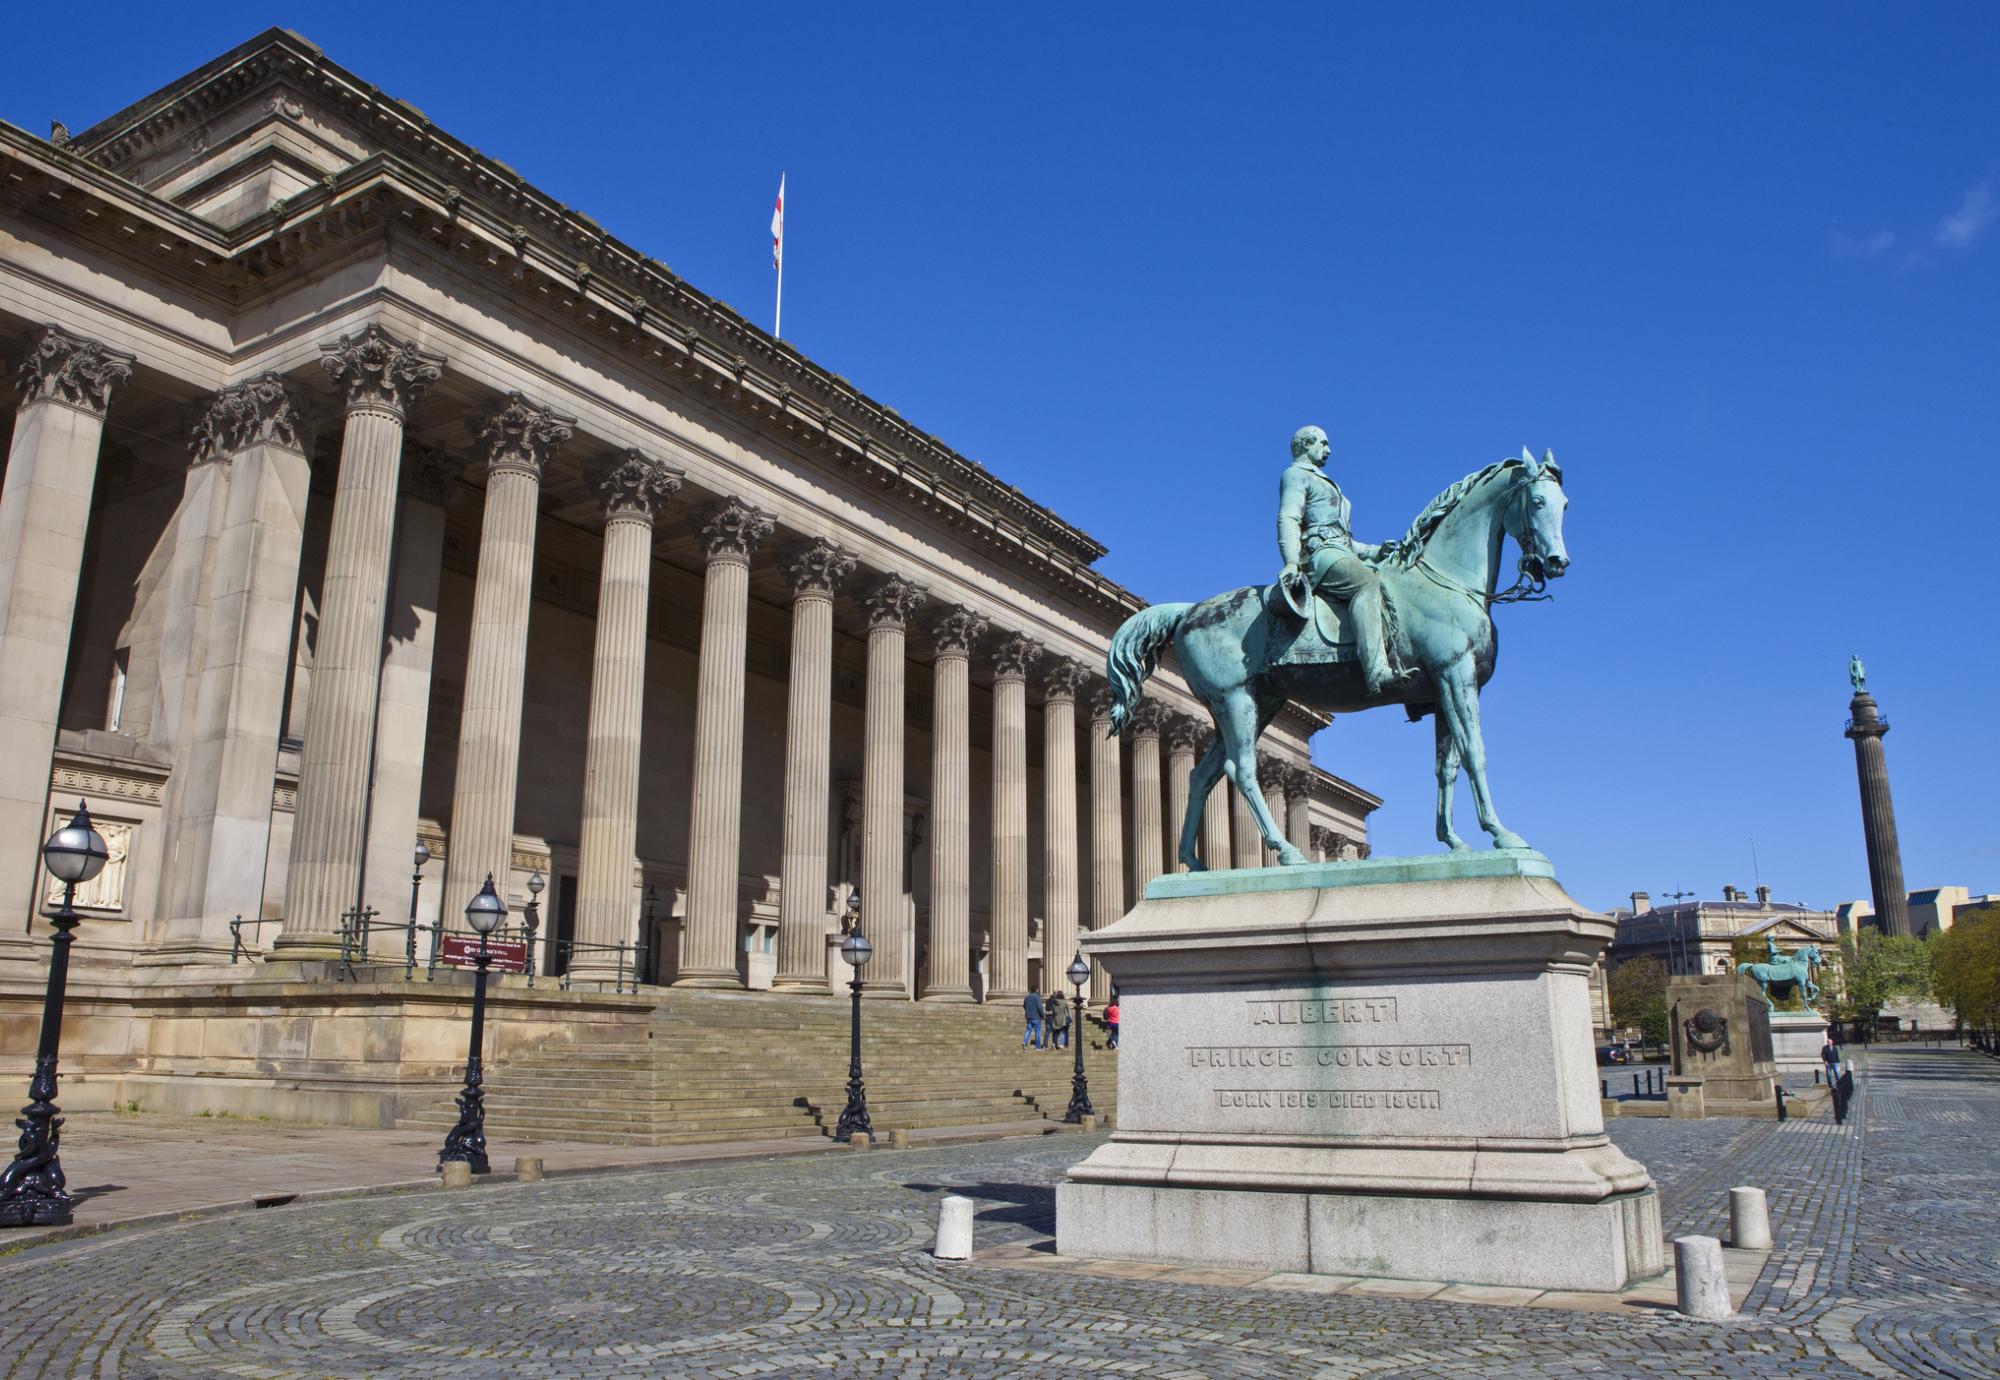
(1350, 626)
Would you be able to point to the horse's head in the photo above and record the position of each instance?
(1535, 517)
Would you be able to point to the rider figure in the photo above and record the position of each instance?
(1320, 552)
(1771, 948)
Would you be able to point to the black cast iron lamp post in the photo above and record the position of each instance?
(854, 951)
(467, 1140)
(532, 921)
(32, 1191)
(1079, 1087)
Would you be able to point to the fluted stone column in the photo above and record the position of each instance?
(1007, 957)
(815, 571)
(633, 486)
(1271, 773)
(516, 439)
(1298, 783)
(948, 968)
(66, 385)
(402, 716)
(1061, 906)
(730, 531)
(380, 378)
(1248, 840)
(1107, 832)
(1184, 740)
(217, 815)
(890, 602)
(1866, 727)
(1215, 825)
(1149, 860)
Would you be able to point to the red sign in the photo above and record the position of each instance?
(504, 955)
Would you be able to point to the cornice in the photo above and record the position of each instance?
(545, 227)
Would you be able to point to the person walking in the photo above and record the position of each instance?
(1059, 1018)
(1111, 1024)
(1032, 1006)
(1829, 1054)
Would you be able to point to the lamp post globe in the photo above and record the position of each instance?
(1079, 1087)
(423, 855)
(531, 922)
(855, 950)
(33, 1192)
(467, 1140)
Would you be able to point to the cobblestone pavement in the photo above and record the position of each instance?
(1885, 1265)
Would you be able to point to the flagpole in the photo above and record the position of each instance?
(778, 316)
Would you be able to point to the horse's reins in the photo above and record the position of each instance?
(1528, 589)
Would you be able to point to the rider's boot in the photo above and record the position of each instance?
(1366, 608)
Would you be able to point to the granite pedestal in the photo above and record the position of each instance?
(1378, 1068)
(1720, 1025)
(1796, 1040)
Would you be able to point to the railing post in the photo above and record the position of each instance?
(235, 938)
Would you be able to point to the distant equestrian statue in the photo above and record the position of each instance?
(1795, 967)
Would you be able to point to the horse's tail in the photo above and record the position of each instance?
(1135, 651)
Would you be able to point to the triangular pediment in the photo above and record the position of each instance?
(238, 136)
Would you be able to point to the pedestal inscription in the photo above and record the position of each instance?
(1351, 1078)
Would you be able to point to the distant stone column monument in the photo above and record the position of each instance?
(1865, 725)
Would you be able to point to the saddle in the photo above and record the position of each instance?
(1326, 637)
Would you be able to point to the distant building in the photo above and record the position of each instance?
(1930, 908)
(1690, 937)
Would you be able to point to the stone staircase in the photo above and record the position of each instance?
(728, 1066)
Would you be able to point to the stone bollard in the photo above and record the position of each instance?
(455, 1174)
(1699, 1280)
(1087, 1124)
(528, 1168)
(899, 1139)
(1749, 1219)
(954, 1229)
(858, 1141)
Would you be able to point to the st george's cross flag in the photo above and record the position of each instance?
(778, 227)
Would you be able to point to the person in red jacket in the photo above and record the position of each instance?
(1111, 1021)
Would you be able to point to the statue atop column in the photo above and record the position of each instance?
(1857, 674)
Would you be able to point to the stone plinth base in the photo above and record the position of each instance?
(1796, 1040)
(1523, 1243)
(1378, 1068)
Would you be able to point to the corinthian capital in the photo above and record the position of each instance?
(891, 600)
(1185, 734)
(1149, 717)
(1063, 677)
(1013, 654)
(65, 368)
(955, 630)
(732, 529)
(1102, 700)
(1299, 783)
(518, 435)
(269, 410)
(376, 370)
(633, 484)
(816, 567)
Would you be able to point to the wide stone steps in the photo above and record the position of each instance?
(726, 1066)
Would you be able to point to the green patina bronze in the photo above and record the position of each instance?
(1793, 969)
(1431, 867)
(1349, 626)
(1857, 674)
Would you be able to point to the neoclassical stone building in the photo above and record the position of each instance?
(359, 493)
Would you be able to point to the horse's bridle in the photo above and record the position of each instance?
(1531, 586)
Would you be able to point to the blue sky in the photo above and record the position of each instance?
(1738, 265)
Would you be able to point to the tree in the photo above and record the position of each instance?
(1639, 998)
(1876, 968)
(1965, 968)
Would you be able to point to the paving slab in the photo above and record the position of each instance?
(1883, 1264)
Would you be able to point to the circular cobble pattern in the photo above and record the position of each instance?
(1887, 1247)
